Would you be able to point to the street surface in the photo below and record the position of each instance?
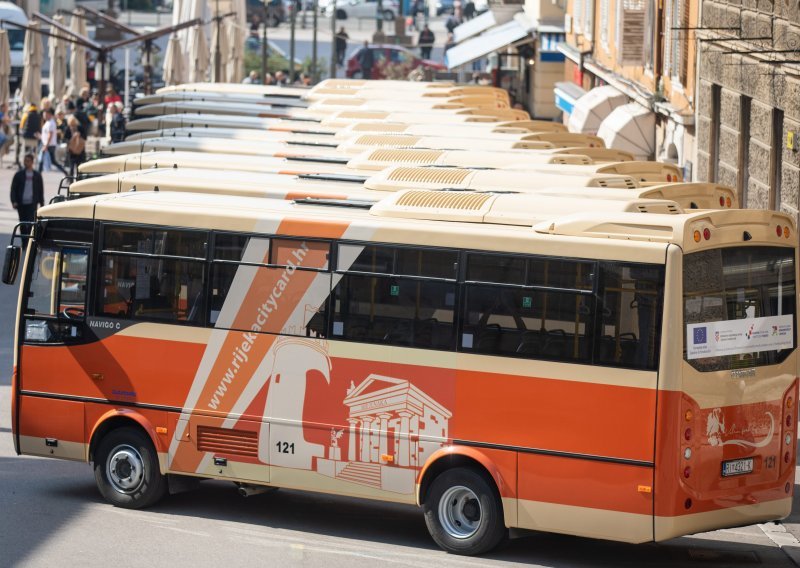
(51, 514)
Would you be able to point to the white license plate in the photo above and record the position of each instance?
(737, 467)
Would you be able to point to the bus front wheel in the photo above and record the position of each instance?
(463, 513)
(126, 469)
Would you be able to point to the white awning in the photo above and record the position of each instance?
(496, 16)
(593, 107)
(630, 127)
(497, 38)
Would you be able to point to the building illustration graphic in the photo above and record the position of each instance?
(393, 427)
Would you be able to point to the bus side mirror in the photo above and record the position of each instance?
(11, 264)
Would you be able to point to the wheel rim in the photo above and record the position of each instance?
(125, 469)
(460, 512)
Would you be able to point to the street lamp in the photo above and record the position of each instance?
(264, 51)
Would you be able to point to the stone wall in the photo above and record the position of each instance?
(769, 86)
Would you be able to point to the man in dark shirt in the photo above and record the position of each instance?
(341, 45)
(426, 39)
(27, 192)
(366, 59)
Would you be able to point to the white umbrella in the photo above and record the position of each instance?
(32, 71)
(77, 56)
(235, 57)
(219, 42)
(58, 60)
(5, 67)
(198, 56)
(173, 62)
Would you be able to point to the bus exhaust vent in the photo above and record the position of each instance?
(227, 441)
(379, 127)
(615, 181)
(385, 140)
(443, 200)
(411, 156)
(449, 176)
(569, 160)
(660, 207)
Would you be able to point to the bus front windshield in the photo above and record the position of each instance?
(739, 307)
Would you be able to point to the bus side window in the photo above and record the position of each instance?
(631, 306)
(152, 289)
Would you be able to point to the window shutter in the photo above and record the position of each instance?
(633, 29)
(588, 19)
(604, 23)
(683, 37)
(577, 17)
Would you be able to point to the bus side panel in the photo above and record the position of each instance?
(587, 498)
(52, 428)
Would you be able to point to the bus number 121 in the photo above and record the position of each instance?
(285, 447)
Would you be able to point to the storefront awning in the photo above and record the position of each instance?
(593, 107)
(494, 17)
(632, 128)
(567, 94)
(516, 31)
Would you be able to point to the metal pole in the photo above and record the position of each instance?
(291, 41)
(127, 76)
(332, 66)
(379, 25)
(217, 54)
(314, 70)
(264, 52)
(148, 66)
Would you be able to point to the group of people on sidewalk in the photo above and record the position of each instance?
(70, 121)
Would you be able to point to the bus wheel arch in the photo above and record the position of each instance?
(121, 418)
(460, 497)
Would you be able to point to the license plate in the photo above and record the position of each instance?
(737, 467)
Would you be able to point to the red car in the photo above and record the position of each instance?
(386, 56)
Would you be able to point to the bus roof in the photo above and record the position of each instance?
(418, 217)
(468, 128)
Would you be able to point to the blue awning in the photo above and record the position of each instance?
(566, 95)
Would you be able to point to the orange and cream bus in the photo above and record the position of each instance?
(367, 162)
(619, 375)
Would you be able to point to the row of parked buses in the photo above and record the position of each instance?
(410, 292)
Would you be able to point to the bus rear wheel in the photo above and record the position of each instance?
(126, 469)
(463, 513)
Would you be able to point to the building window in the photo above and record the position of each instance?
(630, 31)
(648, 52)
(604, 23)
(676, 62)
(577, 16)
(776, 159)
(588, 23)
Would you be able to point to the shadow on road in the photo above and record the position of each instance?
(43, 495)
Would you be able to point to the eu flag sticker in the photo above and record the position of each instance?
(700, 336)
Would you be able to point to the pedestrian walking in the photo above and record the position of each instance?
(469, 10)
(27, 192)
(341, 45)
(366, 60)
(452, 23)
(425, 41)
(116, 123)
(30, 125)
(49, 141)
(76, 144)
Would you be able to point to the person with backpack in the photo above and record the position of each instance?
(76, 145)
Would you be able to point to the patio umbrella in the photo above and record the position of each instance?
(5, 68)
(58, 60)
(235, 56)
(219, 42)
(77, 56)
(32, 72)
(198, 56)
(173, 62)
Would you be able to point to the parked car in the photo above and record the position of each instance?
(445, 7)
(11, 13)
(385, 55)
(276, 9)
(363, 9)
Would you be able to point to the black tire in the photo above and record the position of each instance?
(388, 16)
(472, 497)
(126, 469)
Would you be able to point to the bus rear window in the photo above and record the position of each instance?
(739, 307)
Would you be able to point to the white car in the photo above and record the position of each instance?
(16, 38)
(367, 9)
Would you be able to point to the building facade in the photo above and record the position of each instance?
(642, 52)
(748, 112)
